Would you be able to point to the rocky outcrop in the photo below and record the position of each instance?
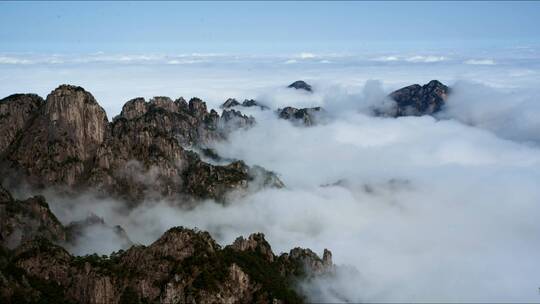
(254, 243)
(16, 111)
(231, 102)
(24, 220)
(67, 142)
(254, 103)
(58, 145)
(416, 100)
(306, 116)
(183, 266)
(300, 85)
(233, 120)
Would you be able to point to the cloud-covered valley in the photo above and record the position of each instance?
(415, 209)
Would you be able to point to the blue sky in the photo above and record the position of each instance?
(263, 27)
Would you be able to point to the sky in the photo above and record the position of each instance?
(263, 27)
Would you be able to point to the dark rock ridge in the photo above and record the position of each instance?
(306, 116)
(182, 266)
(24, 220)
(67, 142)
(300, 85)
(231, 102)
(417, 100)
(15, 112)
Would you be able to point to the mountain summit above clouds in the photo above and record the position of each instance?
(300, 85)
(416, 100)
(157, 148)
(67, 141)
(160, 149)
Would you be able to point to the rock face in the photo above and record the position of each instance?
(15, 112)
(305, 116)
(416, 100)
(231, 102)
(24, 220)
(183, 266)
(58, 145)
(67, 141)
(232, 120)
(300, 85)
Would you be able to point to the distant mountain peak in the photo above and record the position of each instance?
(300, 85)
(419, 100)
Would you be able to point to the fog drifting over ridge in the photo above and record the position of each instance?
(423, 209)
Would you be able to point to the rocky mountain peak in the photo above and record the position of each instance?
(300, 85)
(24, 220)
(233, 119)
(74, 115)
(311, 262)
(229, 103)
(165, 103)
(180, 242)
(134, 108)
(306, 116)
(197, 107)
(419, 100)
(255, 243)
(142, 153)
(15, 112)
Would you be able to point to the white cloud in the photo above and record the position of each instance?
(512, 115)
(426, 59)
(480, 61)
(386, 58)
(291, 61)
(13, 60)
(307, 55)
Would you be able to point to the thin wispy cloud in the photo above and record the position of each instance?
(480, 61)
(426, 59)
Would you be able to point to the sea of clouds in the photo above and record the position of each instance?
(413, 209)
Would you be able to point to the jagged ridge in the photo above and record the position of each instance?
(67, 140)
(182, 266)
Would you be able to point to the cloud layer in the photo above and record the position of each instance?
(413, 209)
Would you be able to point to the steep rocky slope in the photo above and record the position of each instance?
(15, 112)
(416, 100)
(305, 116)
(24, 220)
(183, 266)
(231, 102)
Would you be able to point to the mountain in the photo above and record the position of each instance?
(182, 266)
(67, 142)
(231, 102)
(417, 100)
(304, 116)
(24, 220)
(300, 85)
